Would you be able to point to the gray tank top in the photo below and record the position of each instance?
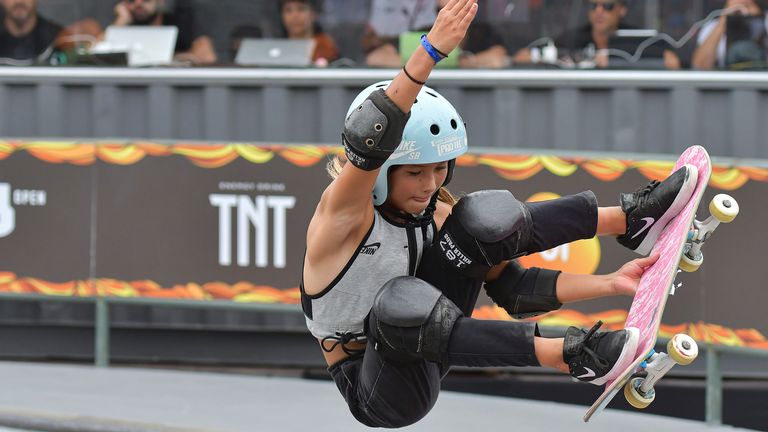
(388, 250)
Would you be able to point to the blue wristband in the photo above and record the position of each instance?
(432, 51)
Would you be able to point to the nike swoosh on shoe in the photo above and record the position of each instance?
(682, 198)
(648, 222)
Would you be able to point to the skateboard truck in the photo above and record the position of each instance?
(681, 349)
(723, 209)
(675, 286)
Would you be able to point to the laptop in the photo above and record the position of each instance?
(409, 41)
(629, 41)
(144, 45)
(747, 41)
(275, 52)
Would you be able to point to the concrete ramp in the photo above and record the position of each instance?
(43, 397)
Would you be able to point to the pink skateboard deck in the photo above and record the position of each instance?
(656, 283)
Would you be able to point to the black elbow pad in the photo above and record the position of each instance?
(525, 293)
(373, 131)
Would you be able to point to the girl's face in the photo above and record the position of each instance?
(411, 186)
(297, 18)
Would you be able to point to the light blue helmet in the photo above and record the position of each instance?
(434, 133)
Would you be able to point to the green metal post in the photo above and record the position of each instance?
(102, 333)
(714, 409)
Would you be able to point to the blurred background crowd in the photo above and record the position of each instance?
(380, 33)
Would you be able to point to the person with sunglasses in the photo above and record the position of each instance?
(604, 17)
(191, 46)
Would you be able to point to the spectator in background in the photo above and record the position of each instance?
(711, 43)
(481, 48)
(605, 17)
(299, 21)
(346, 21)
(390, 18)
(25, 35)
(192, 45)
(83, 33)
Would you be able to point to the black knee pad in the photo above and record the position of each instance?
(484, 229)
(411, 320)
(525, 293)
(460, 288)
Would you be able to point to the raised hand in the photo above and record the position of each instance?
(122, 15)
(740, 7)
(451, 24)
(449, 29)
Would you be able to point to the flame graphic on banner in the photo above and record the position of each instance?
(239, 292)
(510, 167)
(247, 292)
(614, 320)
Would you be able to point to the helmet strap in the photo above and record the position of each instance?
(451, 167)
(424, 219)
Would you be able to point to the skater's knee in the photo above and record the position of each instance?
(484, 229)
(411, 320)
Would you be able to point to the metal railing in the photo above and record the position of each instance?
(714, 390)
(618, 111)
(102, 326)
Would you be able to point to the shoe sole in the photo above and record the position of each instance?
(630, 346)
(682, 198)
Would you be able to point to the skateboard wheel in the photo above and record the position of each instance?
(688, 264)
(724, 208)
(634, 397)
(683, 349)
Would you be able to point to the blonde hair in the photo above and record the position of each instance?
(336, 164)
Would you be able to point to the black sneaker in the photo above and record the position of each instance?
(592, 356)
(649, 209)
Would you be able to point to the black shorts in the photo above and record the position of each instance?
(384, 393)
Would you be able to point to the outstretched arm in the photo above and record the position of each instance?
(530, 292)
(574, 287)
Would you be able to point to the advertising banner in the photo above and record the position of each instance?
(228, 222)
